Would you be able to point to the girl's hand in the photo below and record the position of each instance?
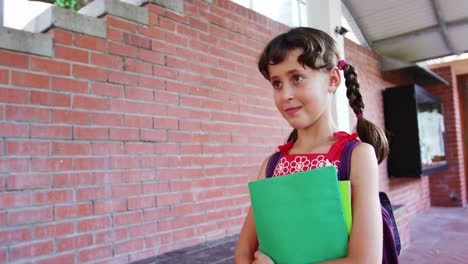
(261, 258)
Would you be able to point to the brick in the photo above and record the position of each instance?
(109, 178)
(53, 230)
(91, 43)
(141, 202)
(30, 80)
(88, 102)
(118, 23)
(159, 239)
(99, 148)
(71, 54)
(13, 59)
(129, 246)
(168, 123)
(61, 36)
(143, 229)
(153, 135)
(107, 61)
(94, 223)
(165, 72)
(155, 187)
(17, 235)
(122, 50)
(163, 47)
(124, 106)
(151, 82)
(20, 182)
(127, 218)
(21, 113)
(107, 89)
(109, 206)
(138, 67)
(17, 96)
(52, 164)
(139, 93)
(69, 85)
(74, 242)
(50, 99)
(29, 216)
(93, 193)
(138, 121)
(152, 32)
(27, 148)
(72, 211)
(91, 163)
(4, 77)
(156, 213)
(124, 134)
(114, 34)
(49, 66)
(126, 190)
(71, 148)
(163, 199)
(123, 78)
(167, 24)
(14, 165)
(94, 254)
(139, 148)
(71, 179)
(133, 40)
(14, 199)
(70, 117)
(32, 250)
(106, 119)
(116, 234)
(149, 56)
(91, 133)
(51, 131)
(85, 72)
(58, 259)
(53, 196)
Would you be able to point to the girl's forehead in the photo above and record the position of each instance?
(289, 63)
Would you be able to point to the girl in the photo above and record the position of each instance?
(303, 66)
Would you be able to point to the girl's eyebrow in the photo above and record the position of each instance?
(290, 72)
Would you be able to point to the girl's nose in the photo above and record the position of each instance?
(287, 93)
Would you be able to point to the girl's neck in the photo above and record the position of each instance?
(315, 139)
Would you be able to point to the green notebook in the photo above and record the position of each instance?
(345, 190)
(299, 217)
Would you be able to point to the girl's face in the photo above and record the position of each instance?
(302, 94)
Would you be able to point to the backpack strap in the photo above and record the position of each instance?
(344, 169)
(272, 162)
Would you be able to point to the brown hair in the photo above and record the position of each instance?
(320, 53)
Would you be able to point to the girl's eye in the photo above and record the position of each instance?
(276, 84)
(297, 78)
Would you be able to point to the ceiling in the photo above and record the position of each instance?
(410, 30)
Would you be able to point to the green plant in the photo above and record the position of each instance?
(70, 4)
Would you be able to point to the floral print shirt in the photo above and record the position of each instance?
(292, 163)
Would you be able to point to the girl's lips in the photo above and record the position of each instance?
(292, 110)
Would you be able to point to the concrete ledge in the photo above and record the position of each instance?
(22, 41)
(63, 18)
(175, 5)
(130, 10)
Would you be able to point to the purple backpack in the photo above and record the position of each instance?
(391, 238)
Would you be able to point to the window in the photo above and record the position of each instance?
(290, 12)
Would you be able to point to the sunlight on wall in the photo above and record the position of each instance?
(18, 13)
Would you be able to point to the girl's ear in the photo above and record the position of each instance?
(335, 80)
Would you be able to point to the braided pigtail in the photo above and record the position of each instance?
(368, 132)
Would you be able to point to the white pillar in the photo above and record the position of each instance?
(326, 16)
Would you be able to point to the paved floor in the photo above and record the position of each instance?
(438, 236)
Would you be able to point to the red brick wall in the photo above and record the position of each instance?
(412, 193)
(448, 188)
(123, 148)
